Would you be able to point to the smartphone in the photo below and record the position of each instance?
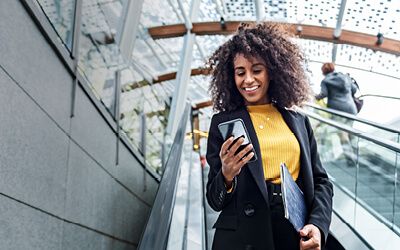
(237, 129)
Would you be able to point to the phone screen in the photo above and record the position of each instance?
(236, 129)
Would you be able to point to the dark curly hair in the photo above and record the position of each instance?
(284, 60)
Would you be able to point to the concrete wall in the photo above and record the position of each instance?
(60, 187)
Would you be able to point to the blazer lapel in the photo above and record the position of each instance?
(256, 167)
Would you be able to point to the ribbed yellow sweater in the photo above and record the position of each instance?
(277, 142)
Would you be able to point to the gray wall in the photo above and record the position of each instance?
(60, 187)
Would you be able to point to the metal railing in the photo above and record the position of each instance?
(393, 132)
(380, 96)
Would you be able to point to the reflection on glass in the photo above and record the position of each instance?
(376, 178)
(139, 97)
(338, 152)
(99, 55)
(60, 14)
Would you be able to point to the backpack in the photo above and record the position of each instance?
(357, 101)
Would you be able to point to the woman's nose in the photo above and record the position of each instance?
(248, 78)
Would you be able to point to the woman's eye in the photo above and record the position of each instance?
(257, 71)
(240, 73)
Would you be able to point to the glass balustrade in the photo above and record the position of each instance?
(364, 170)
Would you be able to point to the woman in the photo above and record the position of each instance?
(257, 76)
(339, 88)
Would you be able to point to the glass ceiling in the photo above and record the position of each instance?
(100, 57)
(366, 16)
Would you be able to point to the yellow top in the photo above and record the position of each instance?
(277, 142)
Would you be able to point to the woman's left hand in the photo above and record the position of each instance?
(313, 236)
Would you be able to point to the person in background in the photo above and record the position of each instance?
(258, 76)
(338, 88)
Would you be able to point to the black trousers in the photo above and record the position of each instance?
(284, 235)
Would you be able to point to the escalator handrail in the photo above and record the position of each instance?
(355, 118)
(380, 96)
(382, 142)
(155, 234)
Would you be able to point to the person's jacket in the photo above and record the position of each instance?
(339, 88)
(244, 222)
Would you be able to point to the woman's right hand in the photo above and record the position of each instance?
(231, 163)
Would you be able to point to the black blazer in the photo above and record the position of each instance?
(244, 222)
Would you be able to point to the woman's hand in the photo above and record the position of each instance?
(314, 237)
(231, 163)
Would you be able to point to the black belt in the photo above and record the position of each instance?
(274, 189)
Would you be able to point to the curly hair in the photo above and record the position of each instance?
(284, 60)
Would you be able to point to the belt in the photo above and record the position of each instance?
(274, 189)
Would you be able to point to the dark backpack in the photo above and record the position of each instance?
(359, 102)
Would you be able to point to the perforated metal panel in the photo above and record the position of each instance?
(369, 60)
(316, 50)
(240, 10)
(373, 16)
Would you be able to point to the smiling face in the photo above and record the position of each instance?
(252, 79)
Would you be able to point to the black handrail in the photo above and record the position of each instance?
(155, 235)
(381, 96)
(355, 118)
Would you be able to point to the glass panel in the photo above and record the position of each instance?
(61, 16)
(139, 97)
(338, 151)
(99, 55)
(363, 171)
(375, 180)
(154, 139)
(131, 106)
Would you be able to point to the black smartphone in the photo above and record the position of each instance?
(237, 129)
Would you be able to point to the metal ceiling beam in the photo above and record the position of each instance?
(126, 35)
(179, 98)
(338, 30)
(188, 20)
(260, 10)
(308, 32)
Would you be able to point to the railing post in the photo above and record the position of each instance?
(396, 167)
(75, 50)
(143, 146)
(356, 182)
(117, 97)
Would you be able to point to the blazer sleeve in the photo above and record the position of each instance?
(216, 192)
(321, 210)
